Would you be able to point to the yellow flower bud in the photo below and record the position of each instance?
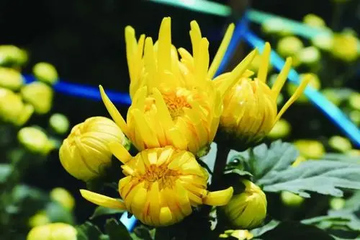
(345, 47)
(340, 144)
(313, 20)
(250, 107)
(289, 46)
(53, 231)
(63, 197)
(35, 140)
(247, 209)
(12, 56)
(314, 82)
(45, 72)
(85, 152)
(161, 186)
(177, 91)
(59, 123)
(39, 95)
(12, 108)
(310, 148)
(291, 199)
(10, 78)
(281, 129)
(39, 219)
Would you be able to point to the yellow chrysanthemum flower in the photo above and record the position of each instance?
(85, 152)
(161, 186)
(177, 91)
(250, 109)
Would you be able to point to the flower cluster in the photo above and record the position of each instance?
(177, 107)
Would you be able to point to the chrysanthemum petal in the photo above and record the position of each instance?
(219, 198)
(114, 113)
(120, 152)
(102, 200)
(221, 51)
(265, 59)
(281, 79)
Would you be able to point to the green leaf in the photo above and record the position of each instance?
(353, 202)
(257, 232)
(142, 232)
(116, 230)
(101, 211)
(5, 172)
(321, 176)
(88, 231)
(262, 161)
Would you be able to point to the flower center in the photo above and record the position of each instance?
(176, 102)
(161, 174)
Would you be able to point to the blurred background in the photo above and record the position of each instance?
(84, 40)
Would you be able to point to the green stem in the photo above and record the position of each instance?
(220, 164)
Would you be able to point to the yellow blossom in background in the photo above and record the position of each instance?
(250, 107)
(314, 20)
(53, 231)
(85, 152)
(291, 199)
(276, 26)
(12, 56)
(35, 140)
(161, 186)
(59, 123)
(39, 95)
(45, 72)
(39, 219)
(345, 46)
(308, 56)
(10, 78)
(281, 129)
(322, 41)
(180, 92)
(247, 209)
(13, 109)
(340, 144)
(289, 46)
(310, 149)
(63, 197)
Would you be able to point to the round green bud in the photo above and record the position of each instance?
(34, 140)
(309, 55)
(45, 72)
(354, 100)
(314, 21)
(337, 203)
(289, 46)
(39, 95)
(63, 197)
(59, 123)
(310, 148)
(10, 78)
(332, 96)
(281, 129)
(355, 116)
(53, 231)
(290, 199)
(39, 219)
(12, 56)
(275, 26)
(323, 42)
(340, 144)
